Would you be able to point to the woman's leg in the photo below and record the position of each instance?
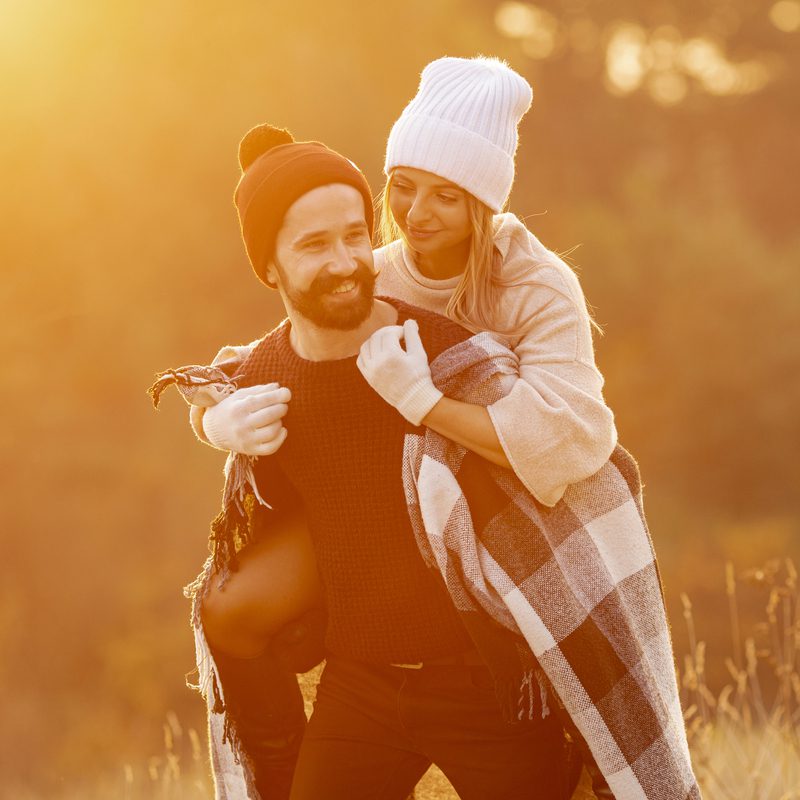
(263, 625)
(276, 582)
(266, 707)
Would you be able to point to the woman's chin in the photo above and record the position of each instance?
(423, 244)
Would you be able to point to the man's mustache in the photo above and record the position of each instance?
(327, 283)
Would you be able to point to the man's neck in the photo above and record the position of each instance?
(327, 344)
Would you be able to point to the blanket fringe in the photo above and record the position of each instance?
(211, 689)
(231, 528)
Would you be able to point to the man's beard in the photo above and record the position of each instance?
(317, 306)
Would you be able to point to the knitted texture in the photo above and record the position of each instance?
(343, 458)
(462, 126)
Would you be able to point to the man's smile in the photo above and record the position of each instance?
(346, 287)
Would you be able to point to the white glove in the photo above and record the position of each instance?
(249, 420)
(401, 377)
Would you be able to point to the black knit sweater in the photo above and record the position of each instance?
(342, 461)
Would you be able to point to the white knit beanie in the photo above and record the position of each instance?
(462, 126)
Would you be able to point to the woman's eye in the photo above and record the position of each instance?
(401, 187)
(447, 198)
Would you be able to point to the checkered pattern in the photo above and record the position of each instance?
(578, 581)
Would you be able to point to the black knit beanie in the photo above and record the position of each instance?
(277, 171)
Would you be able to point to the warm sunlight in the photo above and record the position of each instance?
(625, 58)
(663, 61)
(785, 15)
(632, 237)
(538, 29)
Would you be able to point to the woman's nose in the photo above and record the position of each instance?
(419, 211)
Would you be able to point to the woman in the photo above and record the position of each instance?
(450, 166)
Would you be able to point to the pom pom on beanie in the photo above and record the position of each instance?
(259, 140)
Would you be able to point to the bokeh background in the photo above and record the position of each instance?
(660, 153)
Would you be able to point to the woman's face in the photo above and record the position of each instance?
(430, 211)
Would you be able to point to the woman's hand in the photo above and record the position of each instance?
(249, 421)
(401, 377)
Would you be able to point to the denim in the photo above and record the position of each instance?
(375, 730)
(264, 701)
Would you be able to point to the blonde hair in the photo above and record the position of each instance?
(475, 299)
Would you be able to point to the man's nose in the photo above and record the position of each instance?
(343, 261)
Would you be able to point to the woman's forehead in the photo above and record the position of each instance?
(423, 178)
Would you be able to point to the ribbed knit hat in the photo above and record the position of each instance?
(462, 126)
(277, 171)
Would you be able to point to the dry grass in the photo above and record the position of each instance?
(745, 739)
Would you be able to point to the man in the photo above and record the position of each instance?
(403, 686)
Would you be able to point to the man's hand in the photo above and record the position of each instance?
(401, 377)
(249, 420)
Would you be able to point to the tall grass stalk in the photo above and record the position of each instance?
(745, 741)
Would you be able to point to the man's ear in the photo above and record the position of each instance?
(271, 276)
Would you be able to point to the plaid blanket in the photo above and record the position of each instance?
(578, 582)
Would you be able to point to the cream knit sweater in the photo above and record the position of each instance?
(553, 425)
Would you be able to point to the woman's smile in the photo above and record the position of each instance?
(420, 233)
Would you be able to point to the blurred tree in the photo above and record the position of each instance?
(122, 254)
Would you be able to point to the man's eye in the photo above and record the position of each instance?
(314, 244)
(356, 236)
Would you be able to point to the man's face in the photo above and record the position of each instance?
(323, 258)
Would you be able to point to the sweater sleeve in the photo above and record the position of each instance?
(234, 352)
(229, 352)
(554, 425)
